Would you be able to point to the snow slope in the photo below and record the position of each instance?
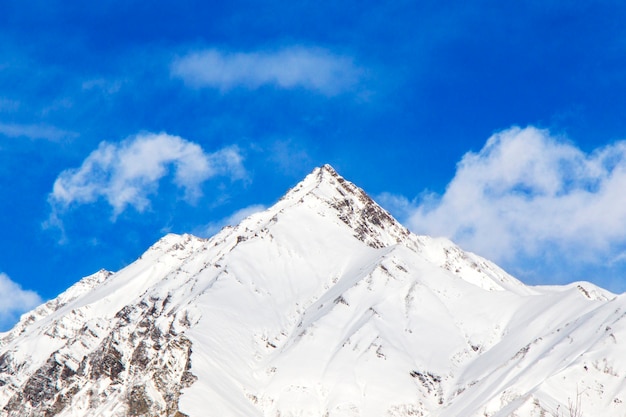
(323, 305)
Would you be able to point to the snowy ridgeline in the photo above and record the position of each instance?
(323, 305)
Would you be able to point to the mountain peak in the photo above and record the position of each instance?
(324, 174)
(328, 169)
(328, 192)
(321, 305)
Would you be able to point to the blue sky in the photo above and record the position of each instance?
(499, 125)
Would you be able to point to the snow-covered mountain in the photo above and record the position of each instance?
(323, 305)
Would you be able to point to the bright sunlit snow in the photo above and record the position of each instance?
(322, 305)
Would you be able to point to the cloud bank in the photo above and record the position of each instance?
(126, 174)
(297, 67)
(14, 301)
(528, 194)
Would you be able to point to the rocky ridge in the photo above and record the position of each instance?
(323, 305)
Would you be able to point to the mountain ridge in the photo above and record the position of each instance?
(323, 304)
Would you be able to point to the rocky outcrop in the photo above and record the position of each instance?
(136, 363)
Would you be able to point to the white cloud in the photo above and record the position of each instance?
(527, 194)
(128, 173)
(232, 220)
(34, 131)
(14, 300)
(310, 68)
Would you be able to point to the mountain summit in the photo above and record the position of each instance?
(322, 305)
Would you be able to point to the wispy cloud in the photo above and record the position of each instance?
(34, 131)
(14, 301)
(9, 105)
(232, 220)
(289, 156)
(107, 87)
(296, 67)
(128, 173)
(528, 194)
